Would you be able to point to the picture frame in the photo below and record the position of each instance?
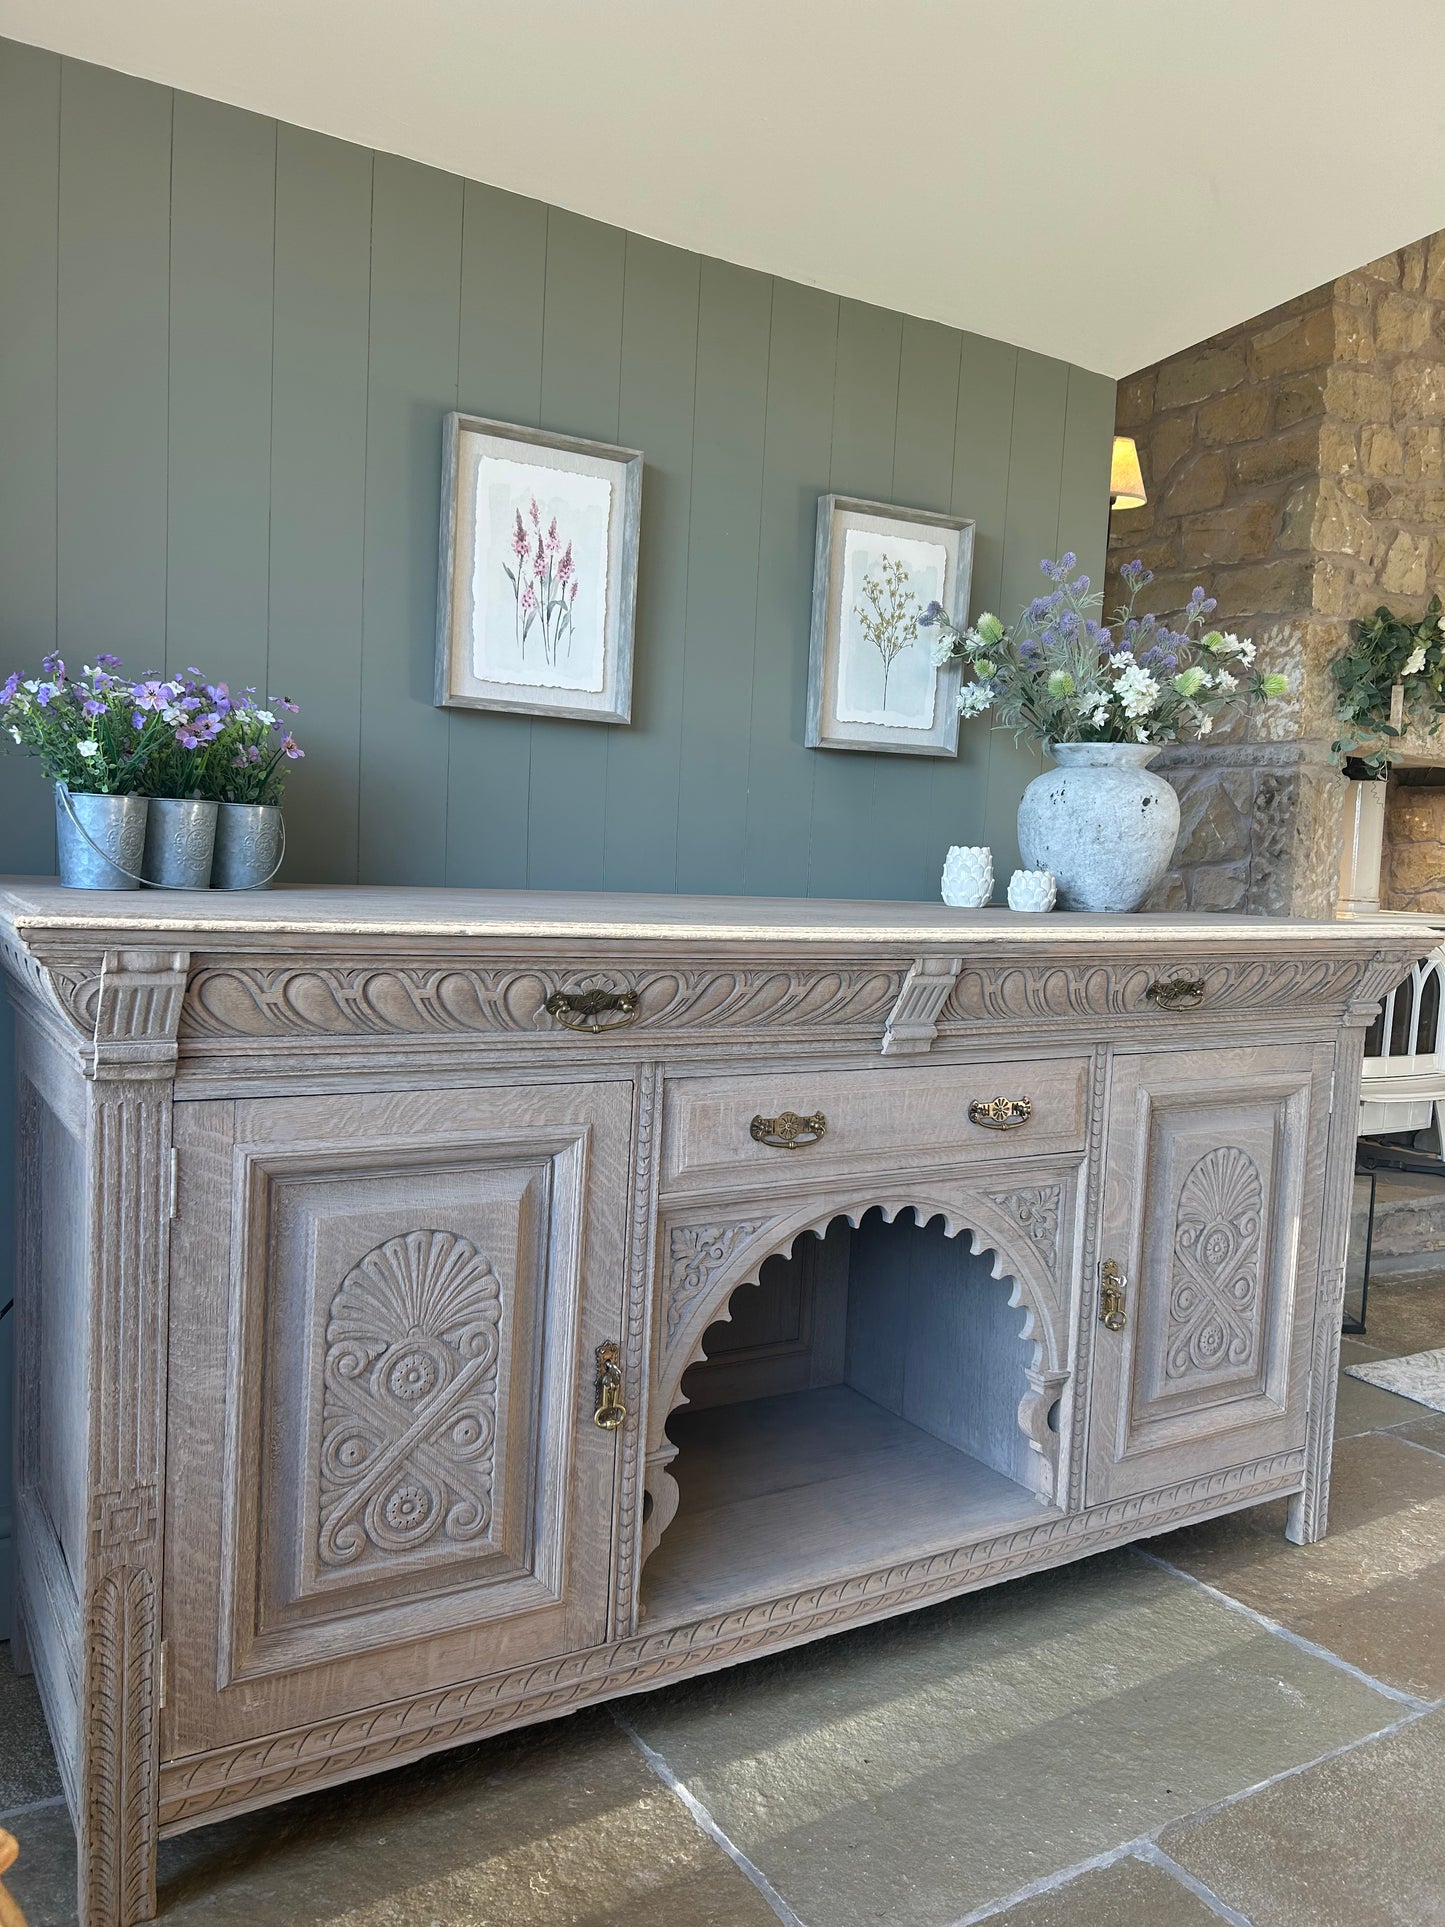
(872, 681)
(537, 588)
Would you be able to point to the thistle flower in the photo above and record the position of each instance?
(1273, 686)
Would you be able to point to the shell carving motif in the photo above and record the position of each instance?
(409, 1409)
(1214, 1300)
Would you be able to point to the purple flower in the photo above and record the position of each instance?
(104, 661)
(520, 544)
(7, 694)
(53, 665)
(154, 695)
(292, 748)
(554, 541)
(565, 564)
(539, 561)
(46, 694)
(1067, 562)
(90, 707)
(292, 709)
(930, 615)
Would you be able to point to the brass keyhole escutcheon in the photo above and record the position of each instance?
(610, 1410)
(1112, 1313)
(787, 1131)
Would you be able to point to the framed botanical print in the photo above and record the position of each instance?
(872, 681)
(538, 572)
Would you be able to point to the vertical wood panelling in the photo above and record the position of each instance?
(910, 836)
(504, 265)
(734, 319)
(659, 373)
(318, 484)
(581, 395)
(416, 255)
(1031, 530)
(853, 849)
(802, 350)
(229, 349)
(223, 252)
(29, 198)
(113, 364)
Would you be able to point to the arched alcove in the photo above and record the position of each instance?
(876, 1388)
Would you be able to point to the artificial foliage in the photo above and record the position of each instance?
(1386, 651)
(1062, 676)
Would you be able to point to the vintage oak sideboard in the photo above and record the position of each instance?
(377, 1248)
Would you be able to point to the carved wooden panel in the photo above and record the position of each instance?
(1016, 991)
(1212, 1216)
(390, 1379)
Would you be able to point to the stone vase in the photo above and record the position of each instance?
(1103, 822)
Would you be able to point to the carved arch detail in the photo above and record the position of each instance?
(705, 1262)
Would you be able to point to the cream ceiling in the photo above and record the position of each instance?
(1102, 180)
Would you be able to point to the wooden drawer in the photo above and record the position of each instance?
(890, 1117)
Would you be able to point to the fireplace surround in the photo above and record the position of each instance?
(439, 1310)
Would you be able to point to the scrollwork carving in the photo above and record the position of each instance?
(408, 1422)
(1015, 992)
(1214, 1295)
(697, 1252)
(1035, 1210)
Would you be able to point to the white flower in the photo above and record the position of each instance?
(1100, 716)
(1136, 692)
(1232, 645)
(265, 716)
(1203, 724)
(90, 747)
(15, 732)
(1141, 735)
(1223, 680)
(973, 698)
(942, 651)
(1415, 662)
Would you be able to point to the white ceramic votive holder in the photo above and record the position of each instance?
(968, 876)
(1032, 890)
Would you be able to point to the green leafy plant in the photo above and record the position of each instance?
(1386, 650)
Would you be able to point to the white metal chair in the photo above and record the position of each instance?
(1403, 1086)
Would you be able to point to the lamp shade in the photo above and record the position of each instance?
(1126, 482)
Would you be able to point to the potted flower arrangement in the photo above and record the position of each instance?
(142, 770)
(1102, 700)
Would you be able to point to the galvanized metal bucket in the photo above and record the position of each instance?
(250, 843)
(100, 839)
(180, 840)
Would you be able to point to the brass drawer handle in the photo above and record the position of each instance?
(1000, 1113)
(582, 1009)
(610, 1410)
(1112, 1314)
(1176, 993)
(788, 1131)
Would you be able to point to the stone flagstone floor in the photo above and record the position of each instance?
(1218, 1726)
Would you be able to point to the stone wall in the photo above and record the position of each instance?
(1413, 872)
(1294, 467)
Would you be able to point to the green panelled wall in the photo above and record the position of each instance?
(226, 346)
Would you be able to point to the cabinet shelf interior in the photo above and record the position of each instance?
(860, 1407)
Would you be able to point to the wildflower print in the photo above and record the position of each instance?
(887, 613)
(544, 585)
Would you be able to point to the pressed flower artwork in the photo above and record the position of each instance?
(874, 680)
(539, 558)
(886, 672)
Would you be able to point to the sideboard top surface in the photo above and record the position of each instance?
(37, 909)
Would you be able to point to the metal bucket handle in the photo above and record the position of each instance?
(146, 882)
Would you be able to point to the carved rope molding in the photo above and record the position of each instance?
(251, 1771)
(635, 1336)
(333, 999)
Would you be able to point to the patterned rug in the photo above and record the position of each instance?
(1419, 1375)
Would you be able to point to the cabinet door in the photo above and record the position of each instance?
(1215, 1165)
(384, 1474)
